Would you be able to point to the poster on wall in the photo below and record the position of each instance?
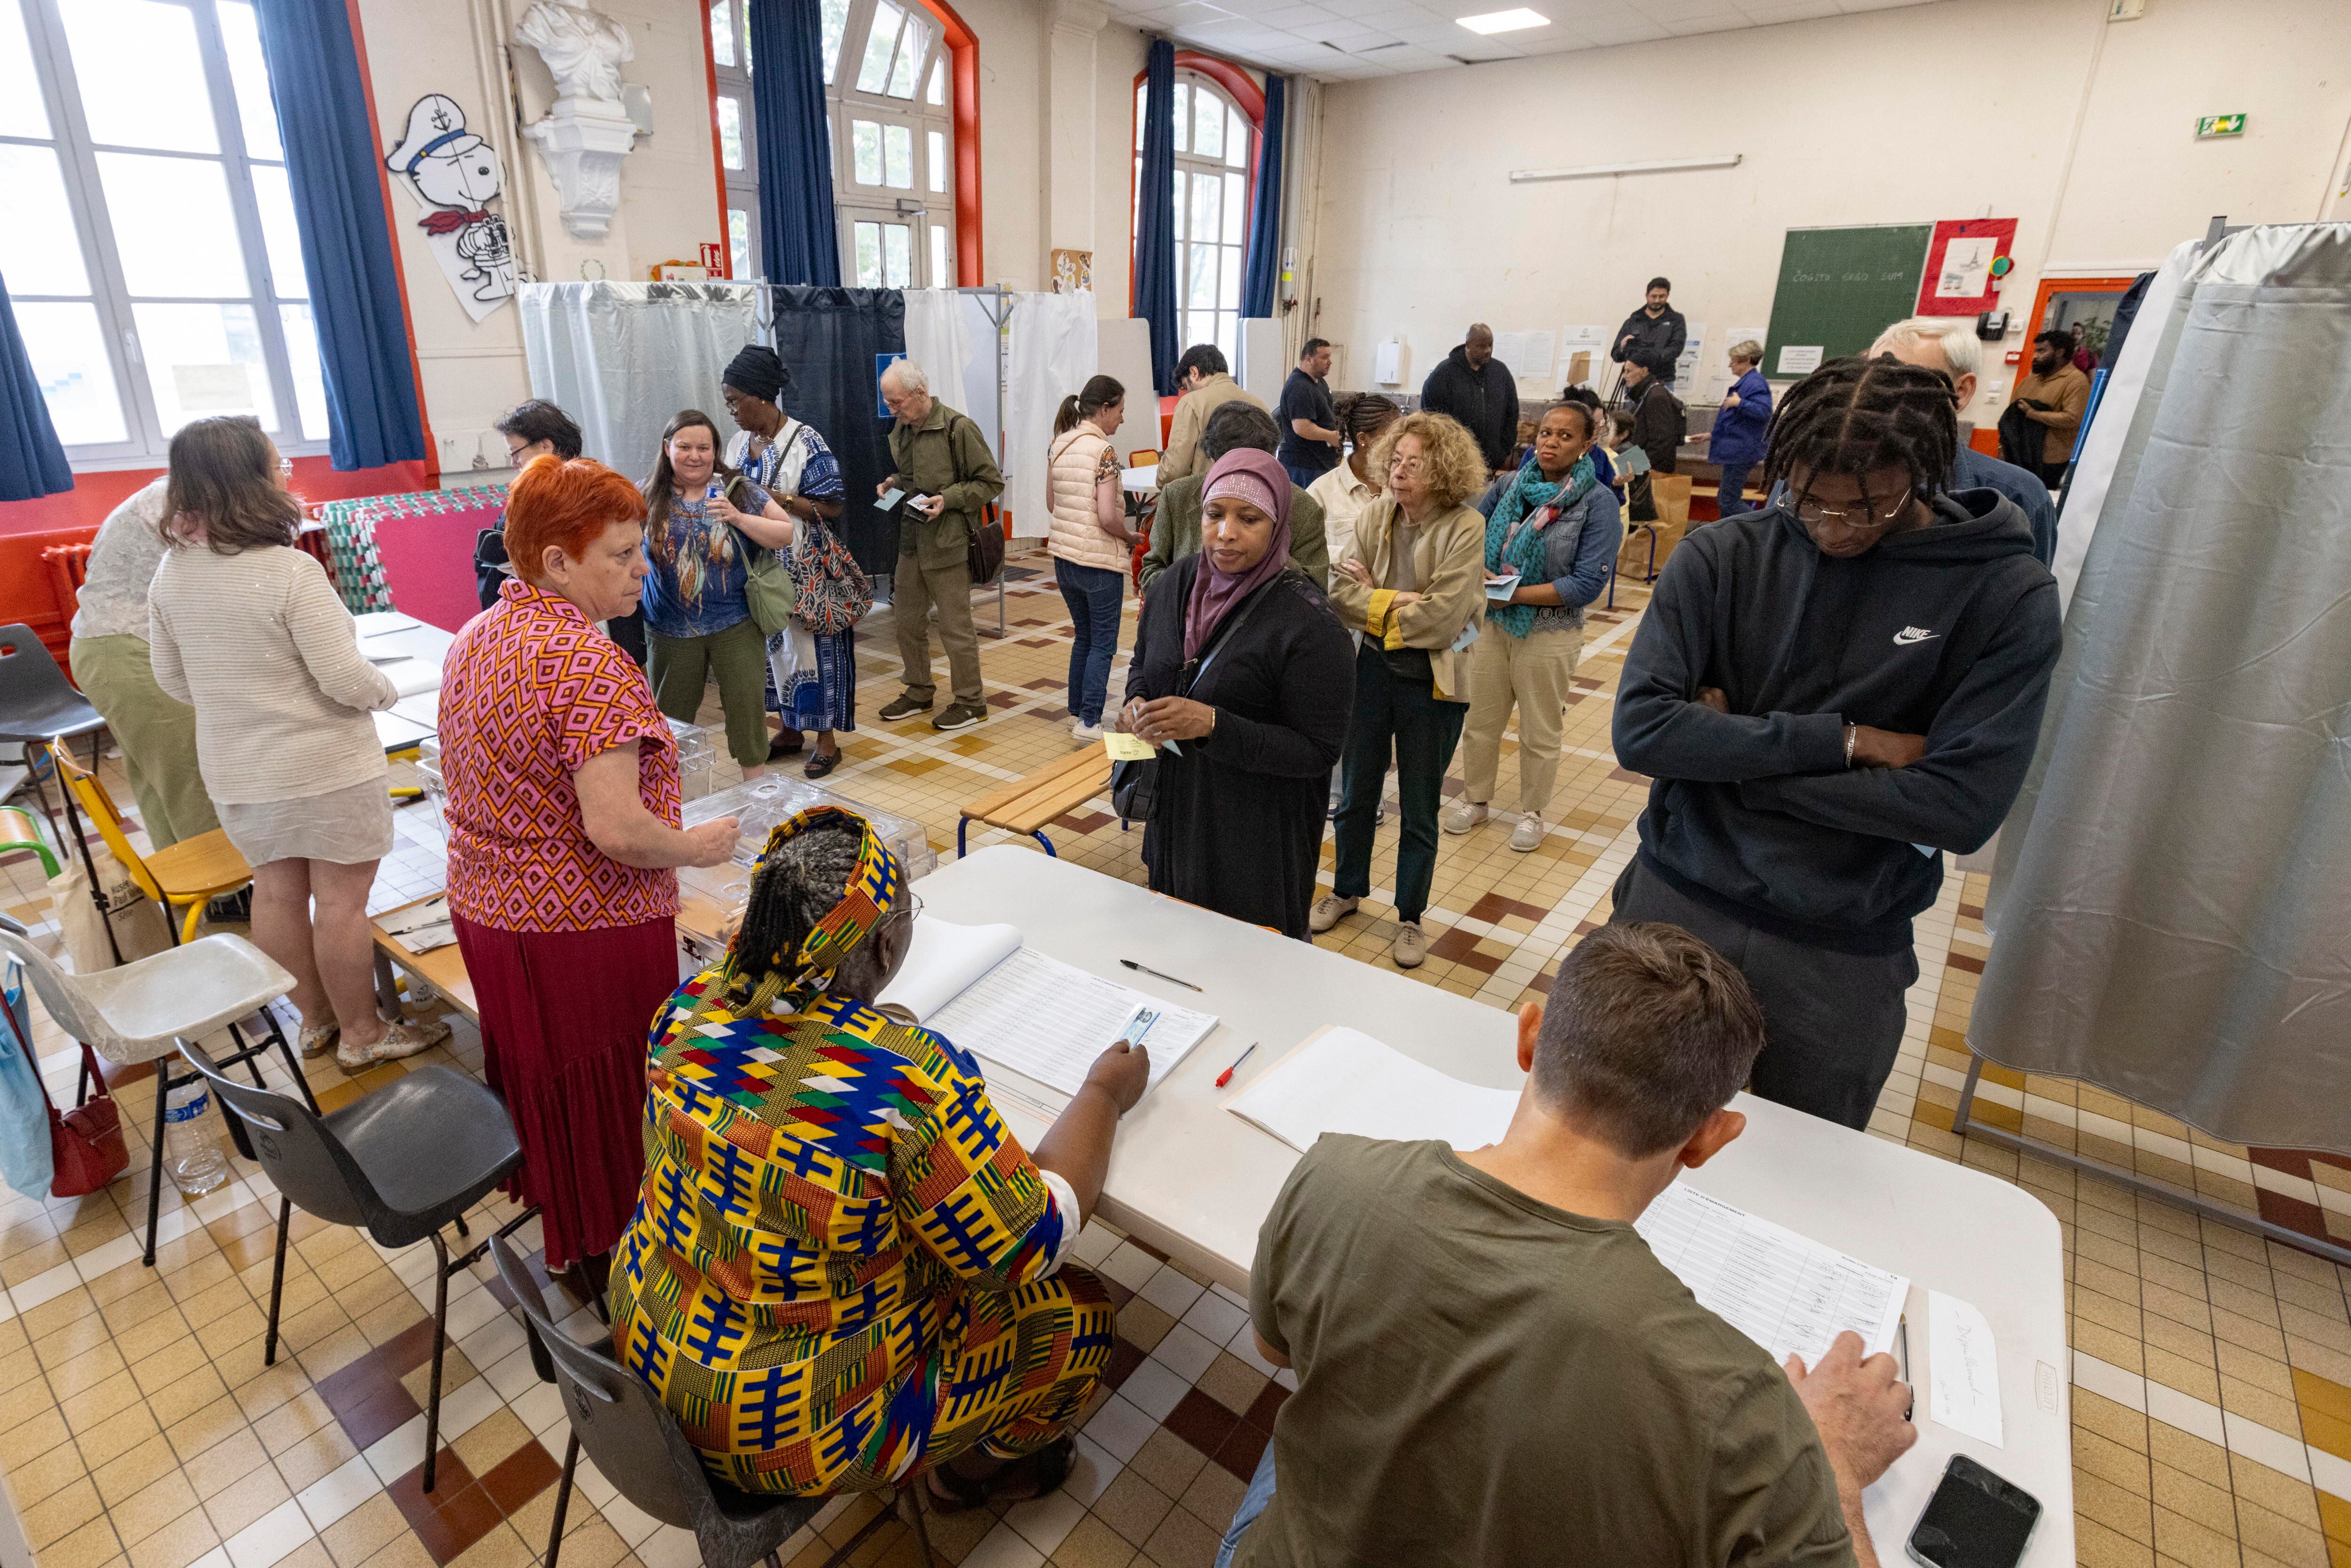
(452, 175)
(1529, 354)
(1959, 279)
(1693, 354)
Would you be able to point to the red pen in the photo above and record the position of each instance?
(1227, 1075)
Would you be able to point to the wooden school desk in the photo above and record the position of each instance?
(1195, 1181)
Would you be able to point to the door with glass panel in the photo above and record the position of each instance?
(149, 247)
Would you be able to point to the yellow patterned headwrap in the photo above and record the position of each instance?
(874, 888)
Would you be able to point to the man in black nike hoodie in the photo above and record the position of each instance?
(1829, 693)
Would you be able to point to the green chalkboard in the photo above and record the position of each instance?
(1840, 288)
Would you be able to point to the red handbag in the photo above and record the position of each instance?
(86, 1143)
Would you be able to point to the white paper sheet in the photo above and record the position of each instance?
(1786, 1292)
(412, 676)
(1964, 1369)
(1387, 363)
(1047, 1020)
(1342, 1081)
(1798, 360)
(1529, 354)
(944, 960)
(376, 622)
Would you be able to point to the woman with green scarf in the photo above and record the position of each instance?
(1552, 534)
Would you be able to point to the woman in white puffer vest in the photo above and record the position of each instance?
(1090, 542)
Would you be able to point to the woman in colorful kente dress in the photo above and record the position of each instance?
(845, 1271)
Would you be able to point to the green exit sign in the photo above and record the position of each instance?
(2221, 125)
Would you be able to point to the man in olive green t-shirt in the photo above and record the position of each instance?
(1492, 1366)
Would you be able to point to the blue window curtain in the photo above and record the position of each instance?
(1263, 268)
(374, 416)
(799, 237)
(32, 463)
(1155, 228)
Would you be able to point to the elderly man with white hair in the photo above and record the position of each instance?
(1948, 343)
(944, 466)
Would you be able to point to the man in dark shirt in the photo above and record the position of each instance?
(1476, 389)
(1310, 425)
(1493, 1368)
(1653, 335)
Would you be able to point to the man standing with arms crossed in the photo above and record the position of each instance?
(1828, 694)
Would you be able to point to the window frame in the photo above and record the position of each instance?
(738, 189)
(146, 443)
(1239, 92)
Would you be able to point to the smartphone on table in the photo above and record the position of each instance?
(1975, 1519)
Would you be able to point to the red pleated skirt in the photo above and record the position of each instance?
(565, 1016)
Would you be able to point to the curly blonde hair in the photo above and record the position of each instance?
(1456, 469)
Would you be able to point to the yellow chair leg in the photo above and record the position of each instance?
(188, 926)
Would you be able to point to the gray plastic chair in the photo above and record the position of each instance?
(640, 1447)
(400, 1162)
(37, 704)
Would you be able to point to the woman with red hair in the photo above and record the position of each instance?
(563, 844)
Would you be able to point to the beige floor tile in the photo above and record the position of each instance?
(244, 1500)
(94, 1545)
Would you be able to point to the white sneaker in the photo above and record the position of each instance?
(1085, 734)
(1464, 816)
(1528, 834)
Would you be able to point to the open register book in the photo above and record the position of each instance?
(1786, 1292)
(1014, 1007)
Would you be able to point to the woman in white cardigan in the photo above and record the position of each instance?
(246, 630)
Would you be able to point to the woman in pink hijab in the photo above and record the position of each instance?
(1244, 679)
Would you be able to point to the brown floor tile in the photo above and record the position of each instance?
(521, 1478)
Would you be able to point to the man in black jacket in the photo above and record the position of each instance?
(1828, 695)
(1653, 335)
(1479, 390)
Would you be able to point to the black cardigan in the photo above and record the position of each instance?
(1237, 825)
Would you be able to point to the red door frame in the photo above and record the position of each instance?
(1247, 95)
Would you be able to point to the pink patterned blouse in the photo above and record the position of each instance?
(530, 691)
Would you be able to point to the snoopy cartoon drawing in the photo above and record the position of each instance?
(454, 174)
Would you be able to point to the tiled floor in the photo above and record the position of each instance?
(2212, 1370)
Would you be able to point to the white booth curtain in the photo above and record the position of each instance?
(2173, 895)
(621, 359)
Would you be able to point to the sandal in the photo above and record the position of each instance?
(1042, 1472)
(823, 763)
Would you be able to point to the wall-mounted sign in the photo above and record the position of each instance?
(2221, 125)
(1963, 270)
(454, 175)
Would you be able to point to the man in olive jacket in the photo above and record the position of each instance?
(944, 465)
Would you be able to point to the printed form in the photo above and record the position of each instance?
(1047, 1020)
(1791, 1295)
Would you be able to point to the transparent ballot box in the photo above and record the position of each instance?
(694, 753)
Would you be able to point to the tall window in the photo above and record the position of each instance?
(1214, 166)
(149, 243)
(739, 152)
(890, 121)
(885, 74)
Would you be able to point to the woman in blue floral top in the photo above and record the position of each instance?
(698, 614)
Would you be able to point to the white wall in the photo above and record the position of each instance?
(669, 203)
(1910, 115)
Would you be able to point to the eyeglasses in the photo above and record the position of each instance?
(1864, 516)
(913, 908)
(1400, 463)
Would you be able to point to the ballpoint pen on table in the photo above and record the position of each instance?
(1146, 969)
(1227, 1075)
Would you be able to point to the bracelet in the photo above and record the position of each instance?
(1852, 734)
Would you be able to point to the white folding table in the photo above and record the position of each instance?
(416, 717)
(1195, 1181)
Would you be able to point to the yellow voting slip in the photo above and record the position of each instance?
(1126, 748)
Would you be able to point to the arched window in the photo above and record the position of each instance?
(1216, 163)
(890, 111)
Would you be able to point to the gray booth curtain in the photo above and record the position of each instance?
(2173, 895)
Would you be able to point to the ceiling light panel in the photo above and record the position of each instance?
(1514, 21)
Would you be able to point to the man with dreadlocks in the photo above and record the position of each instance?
(1829, 693)
(844, 1272)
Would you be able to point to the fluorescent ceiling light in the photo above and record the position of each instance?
(1504, 21)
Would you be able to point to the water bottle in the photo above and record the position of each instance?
(190, 1157)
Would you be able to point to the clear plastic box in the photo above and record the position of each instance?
(695, 752)
(765, 801)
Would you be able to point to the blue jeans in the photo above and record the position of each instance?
(1728, 501)
(1253, 1501)
(1303, 476)
(1094, 596)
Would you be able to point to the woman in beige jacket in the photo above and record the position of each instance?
(1089, 543)
(1413, 589)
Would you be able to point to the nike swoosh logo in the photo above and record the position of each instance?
(1909, 634)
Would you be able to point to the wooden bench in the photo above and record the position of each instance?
(1026, 805)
